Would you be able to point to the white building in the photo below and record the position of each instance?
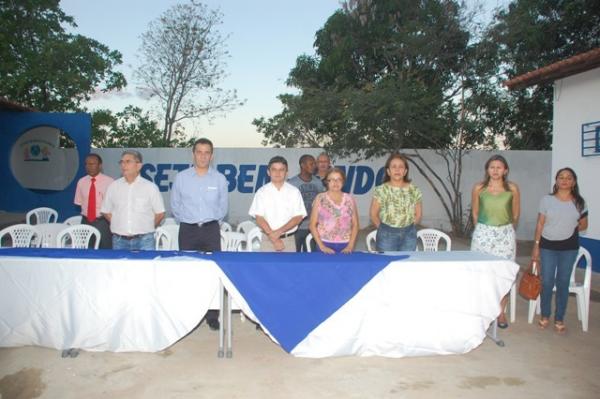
(576, 129)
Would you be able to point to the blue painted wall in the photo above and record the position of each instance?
(15, 198)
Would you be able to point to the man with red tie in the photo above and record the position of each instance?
(89, 194)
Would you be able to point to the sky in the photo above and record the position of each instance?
(265, 38)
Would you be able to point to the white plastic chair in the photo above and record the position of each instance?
(42, 215)
(253, 239)
(73, 220)
(371, 237)
(166, 237)
(78, 237)
(162, 239)
(430, 238)
(580, 289)
(21, 236)
(245, 226)
(308, 240)
(232, 241)
(226, 226)
(47, 233)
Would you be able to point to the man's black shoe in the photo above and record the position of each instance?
(213, 324)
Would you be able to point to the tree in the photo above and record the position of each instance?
(183, 54)
(131, 128)
(43, 66)
(390, 75)
(530, 34)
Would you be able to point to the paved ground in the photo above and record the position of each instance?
(534, 364)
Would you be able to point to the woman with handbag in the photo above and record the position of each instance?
(561, 217)
(495, 205)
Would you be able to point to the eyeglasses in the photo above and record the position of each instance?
(337, 179)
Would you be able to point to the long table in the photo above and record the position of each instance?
(313, 305)
(418, 304)
(102, 300)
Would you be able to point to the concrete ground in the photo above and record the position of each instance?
(533, 364)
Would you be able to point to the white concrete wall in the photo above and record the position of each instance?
(529, 169)
(577, 101)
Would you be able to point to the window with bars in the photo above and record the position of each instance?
(590, 139)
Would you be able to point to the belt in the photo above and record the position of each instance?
(202, 224)
(286, 235)
(133, 237)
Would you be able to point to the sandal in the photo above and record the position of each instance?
(543, 322)
(560, 327)
(501, 321)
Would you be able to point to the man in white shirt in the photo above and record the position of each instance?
(278, 209)
(133, 206)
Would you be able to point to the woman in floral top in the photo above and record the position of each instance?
(396, 208)
(334, 217)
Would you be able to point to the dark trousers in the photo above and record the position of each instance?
(104, 228)
(205, 238)
(300, 238)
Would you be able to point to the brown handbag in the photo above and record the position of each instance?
(531, 283)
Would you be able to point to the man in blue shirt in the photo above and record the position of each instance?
(309, 186)
(199, 200)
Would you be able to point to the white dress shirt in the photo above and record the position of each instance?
(278, 206)
(132, 206)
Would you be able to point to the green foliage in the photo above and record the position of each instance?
(528, 35)
(402, 75)
(43, 66)
(393, 74)
(389, 75)
(131, 128)
(385, 76)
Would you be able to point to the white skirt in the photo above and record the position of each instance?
(495, 240)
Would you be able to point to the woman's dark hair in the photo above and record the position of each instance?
(486, 177)
(579, 201)
(403, 158)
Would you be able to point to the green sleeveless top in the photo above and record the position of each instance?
(495, 210)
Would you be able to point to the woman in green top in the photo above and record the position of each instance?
(396, 208)
(495, 203)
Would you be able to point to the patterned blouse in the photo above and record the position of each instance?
(334, 222)
(397, 204)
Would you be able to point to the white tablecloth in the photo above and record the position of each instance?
(432, 303)
(103, 304)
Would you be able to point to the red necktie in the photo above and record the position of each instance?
(91, 210)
